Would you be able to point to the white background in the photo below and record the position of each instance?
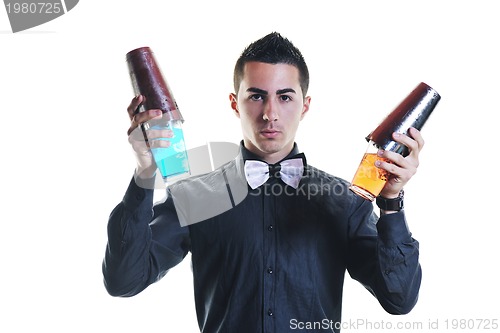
(66, 162)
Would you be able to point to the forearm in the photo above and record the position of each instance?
(144, 242)
(384, 258)
(129, 235)
(399, 268)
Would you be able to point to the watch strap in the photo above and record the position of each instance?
(395, 204)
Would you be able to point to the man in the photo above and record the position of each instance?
(276, 261)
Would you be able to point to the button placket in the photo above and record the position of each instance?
(269, 255)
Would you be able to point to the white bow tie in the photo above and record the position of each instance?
(289, 170)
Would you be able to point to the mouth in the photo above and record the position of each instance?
(269, 133)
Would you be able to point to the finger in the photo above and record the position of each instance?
(405, 140)
(397, 174)
(159, 134)
(159, 143)
(133, 107)
(142, 140)
(398, 165)
(143, 147)
(417, 136)
(413, 140)
(142, 117)
(387, 166)
(393, 158)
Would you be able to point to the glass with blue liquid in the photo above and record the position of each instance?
(171, 161)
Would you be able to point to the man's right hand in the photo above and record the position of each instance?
(146, 166)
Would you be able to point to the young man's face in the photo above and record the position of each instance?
(270, 106)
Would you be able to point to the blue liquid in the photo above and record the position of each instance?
(173, 160)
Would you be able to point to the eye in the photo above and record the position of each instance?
(256, 97)
(285, 98)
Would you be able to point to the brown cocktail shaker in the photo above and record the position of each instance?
(413, 111)
(147, 80)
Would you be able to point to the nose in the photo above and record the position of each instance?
(270, 111)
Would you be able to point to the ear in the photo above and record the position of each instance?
(305, 108)
(234, 104)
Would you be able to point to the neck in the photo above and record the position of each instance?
(274, 158)
(269, 157)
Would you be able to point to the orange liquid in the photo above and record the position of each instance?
(369, 178)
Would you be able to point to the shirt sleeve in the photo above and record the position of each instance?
(384, 257)
(144, 242)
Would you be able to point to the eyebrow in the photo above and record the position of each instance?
(265, 92)
(284, 91)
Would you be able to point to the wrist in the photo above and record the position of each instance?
(390, 195)
(390, 205)
(145, 173)
(145, 179)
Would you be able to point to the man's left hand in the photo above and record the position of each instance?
(401, 169)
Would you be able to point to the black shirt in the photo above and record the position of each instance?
(273, 263)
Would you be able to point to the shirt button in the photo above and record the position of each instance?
(270, 270)
(270, 228)
(270, 313)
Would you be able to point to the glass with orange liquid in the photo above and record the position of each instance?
(369, 180)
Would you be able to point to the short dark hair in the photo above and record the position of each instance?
(272, 49)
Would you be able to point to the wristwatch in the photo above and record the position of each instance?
(395, 204)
